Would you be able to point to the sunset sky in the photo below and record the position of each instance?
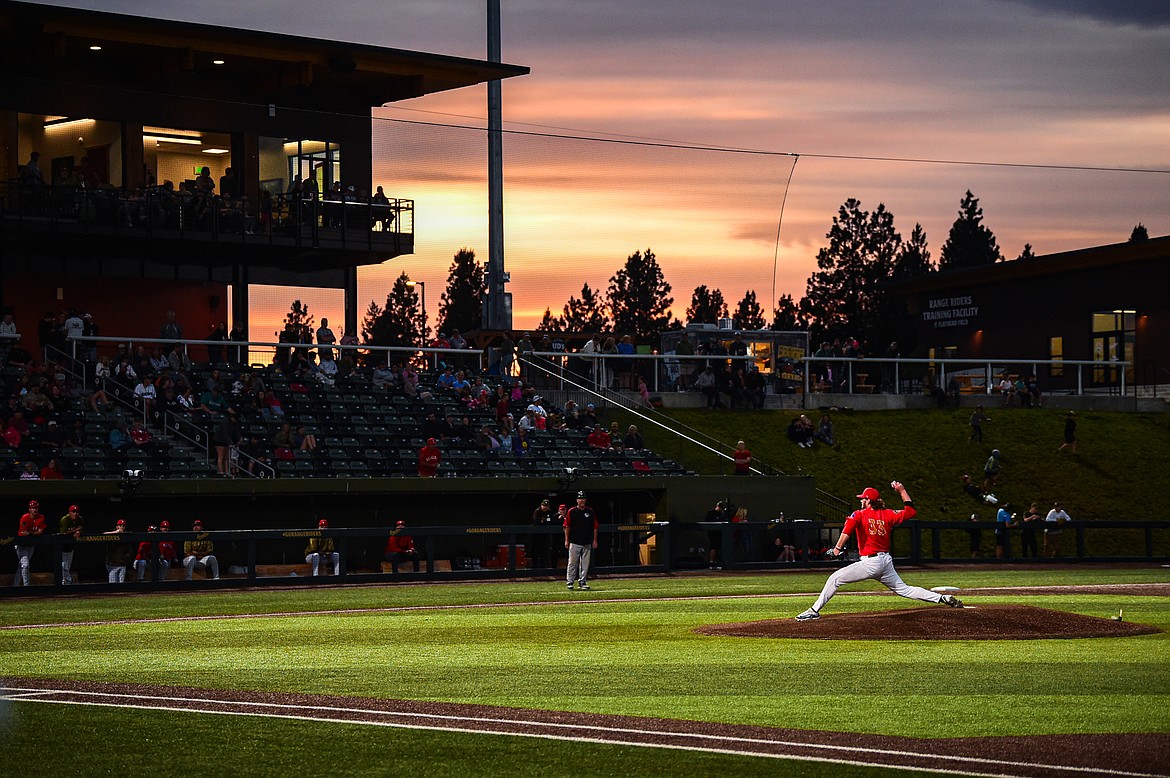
(1024, 83)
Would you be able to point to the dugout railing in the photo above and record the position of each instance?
(276, 557)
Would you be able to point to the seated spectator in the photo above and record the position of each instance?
(705, 383)
(1022, 393)
(252, 453)
(19, 357)
(53, 438)
(282, 442)
(384, 378)
(303, 440)
(633, 439)
(158, 361)
(29, 472)
(931, 388)
(527, 422)
(213, 401)
(485, 441)
(1007, 390)
(52, 472)
(199, 553)
(119, 439)
(140, 436)
(824, 431)
(76, 436)
(1033, 391)
(598, 439)
(101, 373)
(146, 392)
(272, 408)
(400, 548)
(186, 401)
(11, 435)
(799, 433)
(520, 444)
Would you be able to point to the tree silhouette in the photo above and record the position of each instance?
(399, 322)
(550, 323)
(1139, 233)
(584, 315)
(788, 315)
(970, 243)
(298, 323)
(748, 314)
(847, 296)
(461, 306)
(1027, 253)
(914, 257)
(639, 298)
(707, 306)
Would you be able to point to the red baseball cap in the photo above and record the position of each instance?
(33, 504)
(197, 525)
(120, 523)
(73, 509)
(164, 525)
(869, 493)
(323, 523)
(431, 441)
(401, 524)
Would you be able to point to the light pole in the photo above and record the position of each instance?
(422, 285)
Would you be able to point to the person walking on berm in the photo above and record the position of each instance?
(872, 525)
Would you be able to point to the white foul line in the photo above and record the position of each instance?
(40, 695)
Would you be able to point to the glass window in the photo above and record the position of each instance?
(1056, 354)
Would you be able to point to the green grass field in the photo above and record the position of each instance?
(597, 654)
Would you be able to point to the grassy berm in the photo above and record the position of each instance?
(1121, 470)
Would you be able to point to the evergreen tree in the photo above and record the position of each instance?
(914, 258)
(370, 321)
(707, 306)
(970, 243)
(748, 314)
(788, 316)
(399, 323)
(461, 307)
(1027, 253)
(847, 298)
(1139, 233)
(550, 323)
(298, 323)
(584, 315)
(639, 298)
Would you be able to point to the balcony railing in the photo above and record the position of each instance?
(183, 214)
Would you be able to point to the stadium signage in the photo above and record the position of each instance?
(958, 311)
(484, 531)
(302, 534)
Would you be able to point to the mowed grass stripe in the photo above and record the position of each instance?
(644, 659)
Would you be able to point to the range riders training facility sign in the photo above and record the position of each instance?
(950, 312)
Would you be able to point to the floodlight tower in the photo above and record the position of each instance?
(497, 304)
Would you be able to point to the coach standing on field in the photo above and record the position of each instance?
(873, 525)
(580, 539)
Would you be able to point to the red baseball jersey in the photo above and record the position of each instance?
(872, 527)
(742, 459)
(31, 525)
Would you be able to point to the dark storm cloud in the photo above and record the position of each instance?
(1143, 13)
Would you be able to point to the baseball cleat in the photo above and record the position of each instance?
(808, 615)
(583, 586)
(951, 600)
(570, 587)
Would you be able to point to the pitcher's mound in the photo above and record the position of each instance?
(984, 622)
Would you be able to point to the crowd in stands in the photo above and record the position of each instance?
(310, 408)
(200, 203)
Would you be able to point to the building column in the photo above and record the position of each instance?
(352, 306)
(240, 298)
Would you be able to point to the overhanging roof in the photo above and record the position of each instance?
(176, 58)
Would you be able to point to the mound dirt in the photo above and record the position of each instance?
(983, 622)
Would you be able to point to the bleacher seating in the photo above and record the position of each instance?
(362, 432)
